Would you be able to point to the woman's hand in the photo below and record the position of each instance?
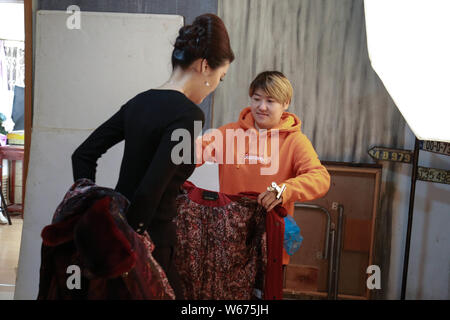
(268, 200)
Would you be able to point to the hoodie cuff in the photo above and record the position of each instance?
(287, 194)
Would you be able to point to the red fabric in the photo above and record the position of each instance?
(274, 227)
(273, 289)
(103, 247)
(89, 230)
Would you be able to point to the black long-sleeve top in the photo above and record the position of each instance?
(148, 176)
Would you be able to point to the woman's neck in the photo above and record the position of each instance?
(180, 81)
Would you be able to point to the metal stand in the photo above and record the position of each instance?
(410, 217)
(332, 249)
(331, 269)
(337, 250)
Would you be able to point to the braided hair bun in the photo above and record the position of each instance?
(206, 38)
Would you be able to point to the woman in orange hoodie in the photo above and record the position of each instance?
(266, 145)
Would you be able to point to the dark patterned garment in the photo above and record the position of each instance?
(89, 230)
(223, 250)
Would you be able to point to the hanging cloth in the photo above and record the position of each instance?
(89, 230)
(229, 247)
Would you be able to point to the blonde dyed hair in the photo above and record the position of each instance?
(274, 84)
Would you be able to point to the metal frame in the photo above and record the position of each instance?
(410, 217)
(337, 252)
(333, 246)
(4, 206)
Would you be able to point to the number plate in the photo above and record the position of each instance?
(436, 147)
(433, 175)
(385, 154)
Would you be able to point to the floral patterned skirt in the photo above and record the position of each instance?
(221, 250)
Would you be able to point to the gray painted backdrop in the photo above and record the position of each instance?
(321, 47)
(189, 9)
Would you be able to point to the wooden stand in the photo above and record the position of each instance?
(356, 188)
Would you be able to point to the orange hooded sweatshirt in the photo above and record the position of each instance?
(263, 159)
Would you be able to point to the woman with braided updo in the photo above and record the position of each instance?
(149, 178)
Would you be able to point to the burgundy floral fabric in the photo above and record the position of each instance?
(89, 230)
(148, 280)
(221, 250)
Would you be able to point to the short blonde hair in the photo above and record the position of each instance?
(274, 84)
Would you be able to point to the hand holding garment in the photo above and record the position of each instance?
(228, 246)
(290, 157)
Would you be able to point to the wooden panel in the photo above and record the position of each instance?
(353, 190)
(312, 228)
(357, 236)
(301, 277)
(357, 190)
(312, 225)
(352, 273)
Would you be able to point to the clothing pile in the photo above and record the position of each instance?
(229, 247)
(89, 231)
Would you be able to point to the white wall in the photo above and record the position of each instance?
(82, 77)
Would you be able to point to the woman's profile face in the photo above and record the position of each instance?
(214, 76)
(206, 79)
(266, 110)
(219, 74)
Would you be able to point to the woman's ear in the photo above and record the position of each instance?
(205, 67)
(286, 105)
(198, 66)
